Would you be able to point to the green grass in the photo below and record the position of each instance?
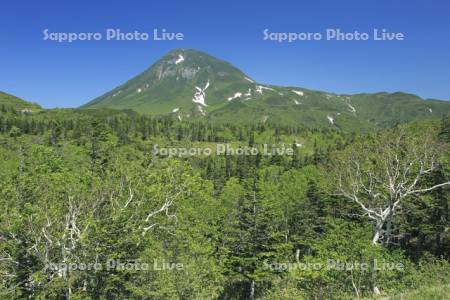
(435, 292)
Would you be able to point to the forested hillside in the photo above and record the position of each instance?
(91, 211)
(7, 100)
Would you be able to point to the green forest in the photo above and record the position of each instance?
(90, 211)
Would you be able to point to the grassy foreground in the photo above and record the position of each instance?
(435, 292)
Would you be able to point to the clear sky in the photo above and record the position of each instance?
(70, 74)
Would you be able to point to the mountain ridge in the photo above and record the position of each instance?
(189, 84)
(9, 100)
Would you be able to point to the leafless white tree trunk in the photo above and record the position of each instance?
(379, 176)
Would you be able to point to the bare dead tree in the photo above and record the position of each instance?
(380, 175)
(172, 191)
(55, 240)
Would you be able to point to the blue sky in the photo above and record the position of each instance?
(70, 74)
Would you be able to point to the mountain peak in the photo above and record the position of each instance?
(193, 61)
(181, 78)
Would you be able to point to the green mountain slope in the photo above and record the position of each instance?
(185, 79)
(190, 84)
(8, 100)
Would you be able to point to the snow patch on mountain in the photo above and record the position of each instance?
(139, 90)
(300, 93)
(346, 99)
(430, 110)
(248, 79)
(117, 93)
(175, 110)
(330, 119)
(351, 107)
(260, 88)
(200, 95)
(236, 95)
(240, 95)
(296, 102)
(180, 59)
